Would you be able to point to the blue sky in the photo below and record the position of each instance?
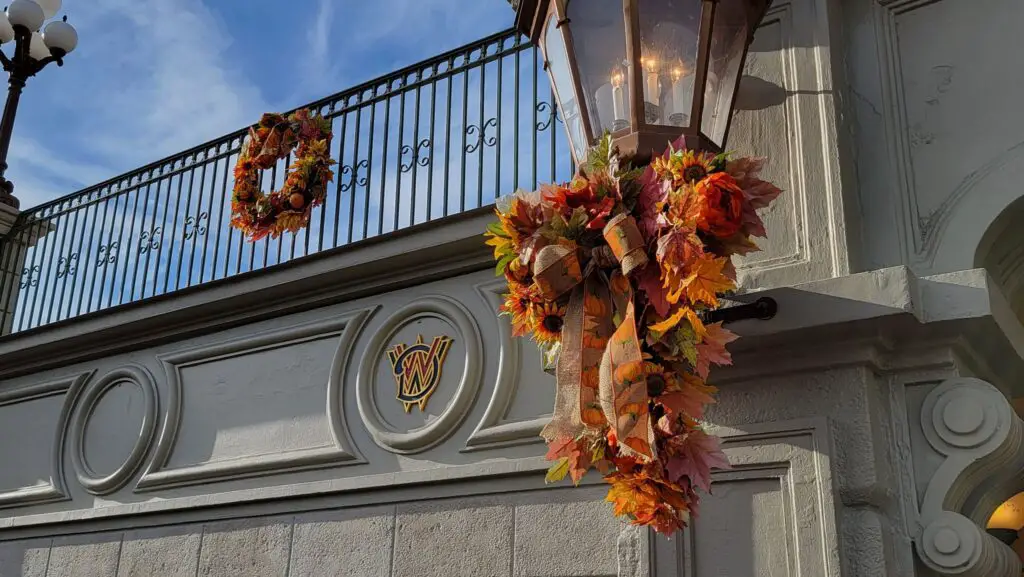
(155, 77)
(152, 77)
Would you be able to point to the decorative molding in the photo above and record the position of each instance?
(896, 124)
(952, 545)
(445, 309)
(494, 431)
(56, 490)
(781, 14)
(633, 551)
(972, 425)
(796, 453)
(344, 452)
(94, 391)
(924, 230)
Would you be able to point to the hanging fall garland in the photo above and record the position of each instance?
(275, 137)
(610, 274)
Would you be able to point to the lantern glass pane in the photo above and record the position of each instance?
(598, 30)
(728, 46)
(669, 38)
(562, 80)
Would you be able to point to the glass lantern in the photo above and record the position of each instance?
(645, 71)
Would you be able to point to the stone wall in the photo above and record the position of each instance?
(522, 534)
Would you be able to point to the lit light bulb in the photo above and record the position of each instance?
(617, 79)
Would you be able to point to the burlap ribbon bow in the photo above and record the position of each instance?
(600, 373)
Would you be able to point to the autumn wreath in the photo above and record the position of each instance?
(275, 137)
(612, 275)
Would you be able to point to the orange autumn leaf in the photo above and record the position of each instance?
(706, 280)
(560, 447)
(631, 498)
(690, 398)
(713, 350)
(669, 323)
(684, 312)
(696, 323)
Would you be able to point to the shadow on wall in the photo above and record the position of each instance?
(24, 558)
(87, 554)
(758, 94)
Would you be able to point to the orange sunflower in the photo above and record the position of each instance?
(522, 304)
(549, 319)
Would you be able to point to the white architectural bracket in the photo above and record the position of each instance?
(972, 425)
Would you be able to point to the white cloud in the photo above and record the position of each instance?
(177, 88)
(150, 79)
(320, 32)
(431, 22)
(319, 68)
(154, 77)
(43, 175)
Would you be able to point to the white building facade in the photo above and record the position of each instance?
(249, 426)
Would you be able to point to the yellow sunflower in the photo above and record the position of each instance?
(686, 166)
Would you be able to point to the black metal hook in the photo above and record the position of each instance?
(764, 308)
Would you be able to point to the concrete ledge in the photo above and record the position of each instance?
(867, 315)
(416, 255)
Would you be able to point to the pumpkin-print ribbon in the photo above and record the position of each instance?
(627, 244)
(623, 381)
(599, 373)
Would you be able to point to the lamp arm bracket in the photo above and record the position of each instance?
(764, 309)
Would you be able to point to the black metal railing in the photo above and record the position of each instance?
(438, 138)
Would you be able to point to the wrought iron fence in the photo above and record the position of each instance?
(431, 140)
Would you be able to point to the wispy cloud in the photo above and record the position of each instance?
(42, 174)
(320, 32)
(149, 80)
(155, 77)
(176, 89)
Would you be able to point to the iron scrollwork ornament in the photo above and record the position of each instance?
(480, 135)
(150, 240)
(194, 226)
(416, 156)
(107, 254)
(66, 266)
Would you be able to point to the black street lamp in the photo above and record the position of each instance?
(34, 48)
(646, 71)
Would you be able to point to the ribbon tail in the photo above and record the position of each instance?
(565, 421)
(586, 329)
(623, 387)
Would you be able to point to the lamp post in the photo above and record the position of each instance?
(35, 46)
(646, 71)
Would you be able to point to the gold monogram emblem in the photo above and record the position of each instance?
(417, 369)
